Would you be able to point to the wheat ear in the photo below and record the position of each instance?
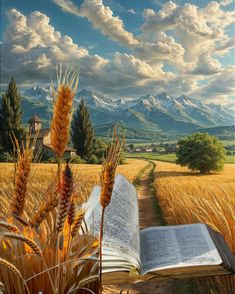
(21, 182)
(77, 223)
(61, 120)
(45, 208)
(71, 212)
(66, 189)
(109, 169)
(9, 266)
(26, 240)
(9, 227)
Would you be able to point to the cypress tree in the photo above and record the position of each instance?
(82, 132)
(11, 116)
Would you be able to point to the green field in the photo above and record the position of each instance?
(168, 157)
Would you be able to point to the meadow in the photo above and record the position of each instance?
(169, 157)
(189, 197)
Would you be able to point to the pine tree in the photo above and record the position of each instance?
(82, 132)
(11, 116)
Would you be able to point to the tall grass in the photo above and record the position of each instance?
(187, 197)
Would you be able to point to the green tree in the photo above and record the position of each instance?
(82, 132)
(11, 117)
(100, 147)
(201, 152)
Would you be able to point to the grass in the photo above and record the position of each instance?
(171, 157)
(187, 197)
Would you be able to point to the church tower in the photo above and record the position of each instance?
(35, 124)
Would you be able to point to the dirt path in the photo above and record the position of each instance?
(149, 216)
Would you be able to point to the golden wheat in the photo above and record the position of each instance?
(7, 265)
(22, 177)
(38, 193)
(66, 190)
(61, 120)
(187, 197)
(109, 170)
(25, 239)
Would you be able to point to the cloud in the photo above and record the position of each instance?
(31, 43)
(187, 38)
(132, 11)
(197, 30)
(206, 65)
(102, 18)
(220, 87)
(225, 2)
(32, 47)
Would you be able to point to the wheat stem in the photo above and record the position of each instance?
(101, 238)
(61, 264)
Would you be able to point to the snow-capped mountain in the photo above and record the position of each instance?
(158, 113)
(96, 100)
(38, 93)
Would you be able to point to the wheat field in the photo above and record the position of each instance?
(189, 197)
(19, 258)
(88, 175)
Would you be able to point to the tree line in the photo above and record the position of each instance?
(88, 147)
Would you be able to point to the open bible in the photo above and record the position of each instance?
(131, 254)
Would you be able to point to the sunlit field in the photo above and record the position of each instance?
(88, 175)
(187, 197)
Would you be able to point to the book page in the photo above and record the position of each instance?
(177, 246)
(121, 222)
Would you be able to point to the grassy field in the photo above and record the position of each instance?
(187, 197)
(168, 157)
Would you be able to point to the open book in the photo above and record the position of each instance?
(157, 252)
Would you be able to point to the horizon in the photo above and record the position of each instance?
(123, 49)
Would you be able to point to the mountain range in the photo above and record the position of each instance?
(149, 117)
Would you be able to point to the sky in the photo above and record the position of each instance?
(123, 48)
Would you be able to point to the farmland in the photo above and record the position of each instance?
(86, 175)
(168, 157)
(184, 197)
(187, 197)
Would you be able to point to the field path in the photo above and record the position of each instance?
(149, 215)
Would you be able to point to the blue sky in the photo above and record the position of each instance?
(123, 48)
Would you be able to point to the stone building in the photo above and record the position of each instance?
(43, 139)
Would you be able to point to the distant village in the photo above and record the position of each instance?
(162, 148)
(166, 148)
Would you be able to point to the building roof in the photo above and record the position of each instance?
(39, 134)
(35, 118)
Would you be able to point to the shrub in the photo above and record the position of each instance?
(93, 159)
(77, 159)
(6, 157)
(51, 160)
(201, 152)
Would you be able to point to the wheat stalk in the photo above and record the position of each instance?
(107, 183)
